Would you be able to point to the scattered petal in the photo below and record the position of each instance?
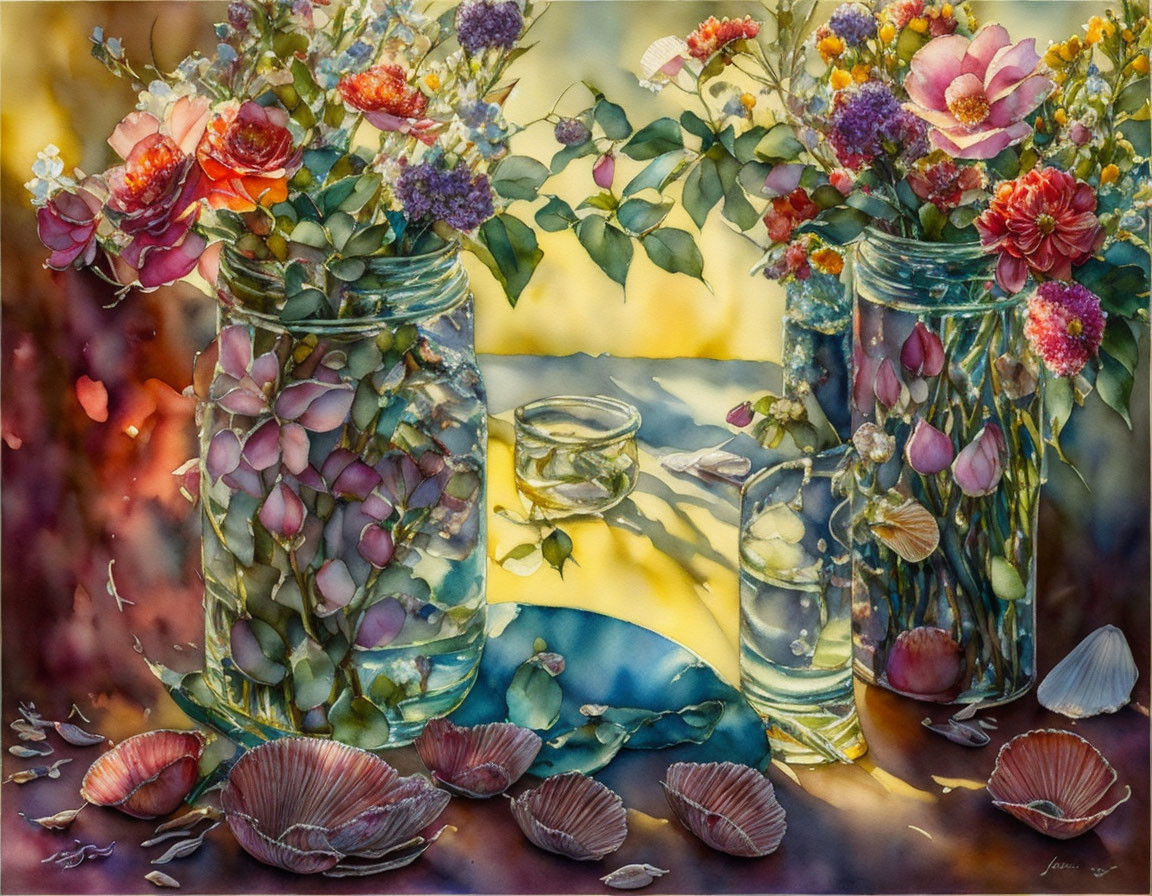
(633, 877)
(78, 737)
(93, 397)
(160, 879)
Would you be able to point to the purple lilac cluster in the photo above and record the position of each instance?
(867, 119)
(571, 131)
(481, 24)
(451, 195)
(852, 23)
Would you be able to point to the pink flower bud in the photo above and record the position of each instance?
(922, 352)
(741, 415)
(887, 385)
(928, 450)
(604, 170)
(842, 180)
(1079, 134)
(283, 512)
(376, 546)
(977, 469)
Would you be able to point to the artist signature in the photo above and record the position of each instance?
(1096, 871)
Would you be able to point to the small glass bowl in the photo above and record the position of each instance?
(576, 453)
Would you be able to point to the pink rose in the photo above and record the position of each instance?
(67, 225)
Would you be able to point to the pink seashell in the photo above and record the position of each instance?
(480, 761)
(731, 808)
(925, 663)
(573, 815)
(146, 775)
(310, 805)
(1055, 782)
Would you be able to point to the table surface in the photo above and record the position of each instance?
(911, 817)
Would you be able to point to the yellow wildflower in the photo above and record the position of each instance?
(1140, 64)
(1061, 117)
(747, 100)
(946, 10)
(828, 260)
(1127, 36)
(919, 25)
(1094, 31)
(1070, 49)
(433, 81)
(887, 33)
(1109, 175)
(830, 47)
(840, 79)
(861, 73)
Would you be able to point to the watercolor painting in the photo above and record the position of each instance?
(508, 447)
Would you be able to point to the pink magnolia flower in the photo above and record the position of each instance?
(928, 450)
(922, 353)
(1065, 325)
(67, 225)
(1044, 221)
(978, 468)
(975, 93)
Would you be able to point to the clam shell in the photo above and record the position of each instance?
(1096, 677)
(1055, 782)
(480, 761)
(731, 807)
(146, 775)
(909, 529)
(306, 804)
(573, 815)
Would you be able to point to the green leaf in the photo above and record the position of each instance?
(1006, 165)
(341, 226)
(603, 200)
(313, 675)
(332, 196)
(838, 225)
(638, 216)
(1114, 383)
(1006, 581)
(348, 269)
(827, 196)
(932, 220)
(555, 215)
(609, 247)
(779, 145)
(1133, 97)
(873, 206)
(358, 722)
(697, 127)
(744, 148)
(303, 304)
(557, 549)
(515, 253)
(534, 697)
(612, 119)
(1123, 289)
(309, 233)
(369, 241)
(568, 153)
(675, 251)
(737, 208)
(661, 136)
(752, 176)
(1120, 343)
(1139, 133)
(909, 43)
(658, 173)
(518, 177)
(1058, 400)
(702, 190)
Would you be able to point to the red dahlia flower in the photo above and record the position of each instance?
(247, 154)
(1044, 221)
(388, 103)
(714, 34)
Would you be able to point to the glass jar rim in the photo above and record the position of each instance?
(969, 249)
(626, 423)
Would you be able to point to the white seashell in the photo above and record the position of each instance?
(633, 877)
(1096, 677)
(573, 815)
(711, 463)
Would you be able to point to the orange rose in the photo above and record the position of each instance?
(247, 154)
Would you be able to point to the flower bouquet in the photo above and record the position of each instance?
(997, 196)
(321, 172)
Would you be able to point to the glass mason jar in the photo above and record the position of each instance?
(342, 482)
(817, 348)
(796, 610)
(947, 421)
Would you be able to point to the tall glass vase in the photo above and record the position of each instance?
(342, 481)
(817, 349)
(795, 610)
(947, 421)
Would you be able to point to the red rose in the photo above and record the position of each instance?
(787, 212)
(383, 95)
(1045, 222)
(247, 154)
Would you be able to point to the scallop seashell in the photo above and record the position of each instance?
(909, 529)
(731, 807)
(311, 805)
(573, 815)
(1096, 677)
(1055, 782)
(926, 663)
(146, 775)
(480, 761)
